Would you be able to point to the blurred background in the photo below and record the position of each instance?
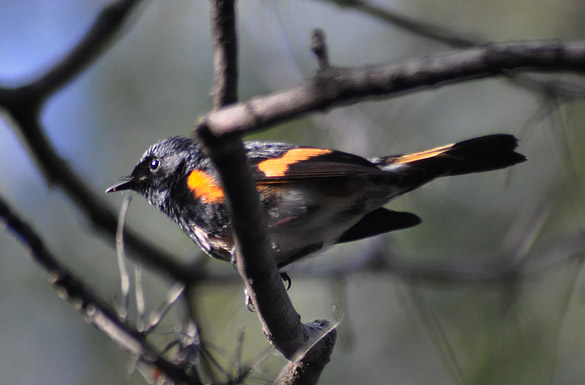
(447, 315)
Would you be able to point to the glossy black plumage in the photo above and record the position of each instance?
(313, 197)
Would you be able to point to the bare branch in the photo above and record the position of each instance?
(57, 171)
(101, 33)
(98, 312)
(121, 259)
(24, 105)
(458, 39)
(255, 262)
(337, 87)
(225, 79)
(306, 368)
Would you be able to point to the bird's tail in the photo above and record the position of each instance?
(485, 153)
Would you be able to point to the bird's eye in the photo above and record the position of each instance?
(154, 164)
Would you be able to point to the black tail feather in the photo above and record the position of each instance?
(485, 153)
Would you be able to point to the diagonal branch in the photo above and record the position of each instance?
(337, 87)
(24, 104)
(105, 27)
(97, 311)
(57, 171)
(303, 344)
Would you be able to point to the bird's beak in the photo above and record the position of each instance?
(127, 184)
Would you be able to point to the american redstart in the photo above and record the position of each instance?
(313, 197)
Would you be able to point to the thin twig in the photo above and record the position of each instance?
(140, 299)
(98, 312)
(121, 259)
(437, 334)
(319, 49)
(171, 298)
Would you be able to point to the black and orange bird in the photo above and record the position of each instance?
(313, 197)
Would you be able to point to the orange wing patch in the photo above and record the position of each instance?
(204, 186)
(278, 166)
(408, 158)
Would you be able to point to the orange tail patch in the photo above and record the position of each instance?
(408, 158)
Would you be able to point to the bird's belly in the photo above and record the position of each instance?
(317, 227)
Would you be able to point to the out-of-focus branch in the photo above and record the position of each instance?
(57, 171)
(24, 104)
(103, 30)
(458, 39)
(337, 87)
(255, 262)
(98, 312)
(496, 269)
(414, 26)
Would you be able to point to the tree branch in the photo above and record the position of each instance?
(337, 87)
(457, 39)
(225, 77)
(255, 261)
(105, 27)
(98, 312)
(24, 105)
